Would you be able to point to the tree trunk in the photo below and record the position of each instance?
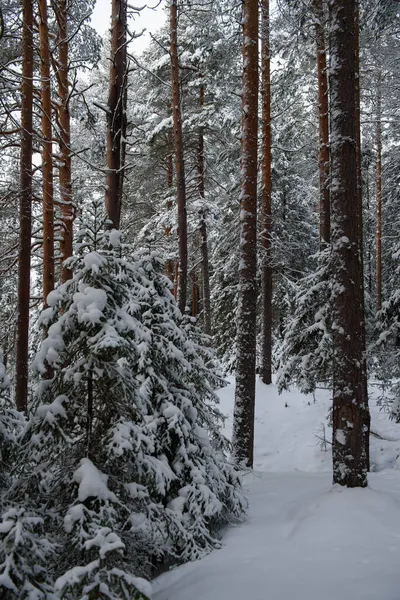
(378, 135)
(25, 210)
(170, 181)
(47, 154)
(323, 119)
(266, 209)
(195, 295)
(116, 113)
(243, 420)
(349, 398)
(65, 169)
(360, 234)
(179, 162)
(203, 228)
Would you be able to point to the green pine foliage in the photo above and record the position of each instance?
(122, 453)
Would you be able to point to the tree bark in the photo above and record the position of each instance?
(378, 140)
(64, 119)
(360, 233)
(266, 207)
(170, 181)
(243, 420)
(203, 227)
(323, 120)
(179, 161)
(47, 154)
(116, 113)
(349, 398)
(25, 210)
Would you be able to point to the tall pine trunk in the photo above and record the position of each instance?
(25, 210)
(203, 227)
(179, 162)
(116, 112)
(349, 397)
(65, 168)
(360, 232)
(378, 141)
(47, 153)
(266, 189)
(243, 420)
(323, 120)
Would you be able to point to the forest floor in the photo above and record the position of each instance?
(303, 538)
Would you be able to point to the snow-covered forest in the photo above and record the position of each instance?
(200, 301)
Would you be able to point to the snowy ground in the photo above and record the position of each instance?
(302, 538)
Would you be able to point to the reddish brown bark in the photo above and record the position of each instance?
(47, 154)
(349, 399)
(203, 227)
(64, 119)
(170, 181)
(266, 207)
(243, 422)
(195, 296)
(179, 161)
(378, 140)
(25, 210)
(360, 232)
(323, 120)
(116, 112)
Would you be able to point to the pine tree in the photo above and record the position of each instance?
(349, 395)
(243, 426)
(25, 209)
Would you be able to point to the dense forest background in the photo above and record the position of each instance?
(226, 202)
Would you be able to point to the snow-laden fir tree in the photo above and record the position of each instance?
(304, 356)
(386, 348)
(123, 448)
(23, 548)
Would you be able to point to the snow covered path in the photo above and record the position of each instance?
(302, 538)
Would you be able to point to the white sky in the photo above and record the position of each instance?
(148, 19)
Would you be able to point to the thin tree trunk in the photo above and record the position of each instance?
(349, 399)
(170, 181)
(243, 420)
(266, 189)
(323, 119)
(360, 234)
(203, 227)
(25, 210)
(64, 119)
(378, 196)
(47, 155)
(116, 113)
(195, 295)
(179, 162)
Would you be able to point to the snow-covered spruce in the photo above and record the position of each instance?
(304, 357)
(386, 347)
(21, 529)
(118, 447)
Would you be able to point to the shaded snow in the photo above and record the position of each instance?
(303, 538)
